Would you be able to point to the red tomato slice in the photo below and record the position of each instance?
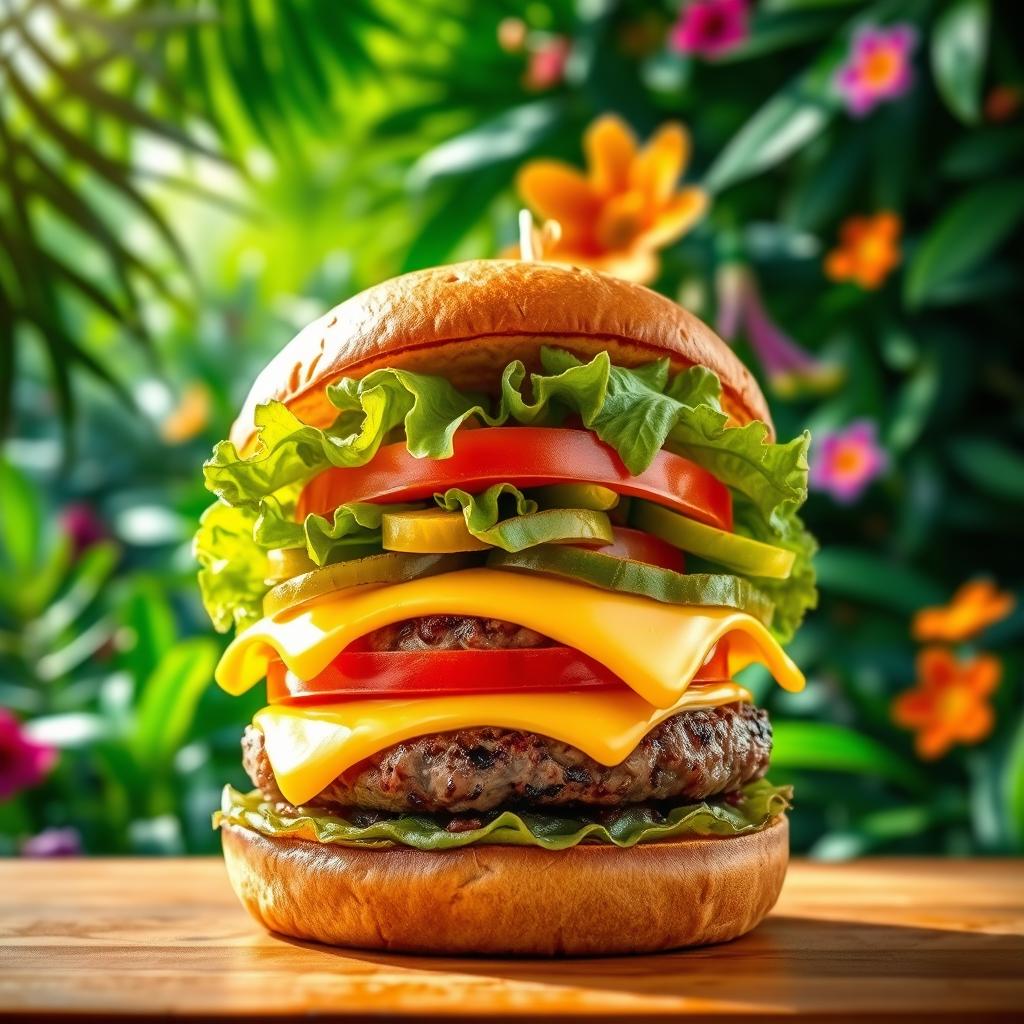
(527, 457)
(363, 674)
(638, 546)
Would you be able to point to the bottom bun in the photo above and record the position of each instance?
(588, 900)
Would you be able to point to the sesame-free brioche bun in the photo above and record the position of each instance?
(525, 901)
(468, 320)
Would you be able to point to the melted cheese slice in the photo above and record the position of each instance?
(655, 648)
(309, 747)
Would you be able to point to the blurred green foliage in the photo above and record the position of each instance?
(184, 185)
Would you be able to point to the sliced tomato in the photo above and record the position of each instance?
(364, 674)
(527, 457)
(638, 546)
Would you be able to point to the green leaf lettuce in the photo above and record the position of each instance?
(637, 411)
(757, 805)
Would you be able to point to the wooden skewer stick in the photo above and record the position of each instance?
(532, 242)
(526, 236)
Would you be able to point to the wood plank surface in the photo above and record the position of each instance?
(886, 939)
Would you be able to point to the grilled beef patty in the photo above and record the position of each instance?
(451, 633)
(692, 755)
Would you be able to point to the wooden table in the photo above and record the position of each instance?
(890, 939)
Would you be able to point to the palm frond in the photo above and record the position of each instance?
(66, 135)
(278, 65)
(83, 85)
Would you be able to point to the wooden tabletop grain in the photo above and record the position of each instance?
(886, 939)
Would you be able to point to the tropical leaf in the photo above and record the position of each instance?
(69, 128)
(986, 152)
(958, 51)
(991, 465)
(56, 170)
(168, 700)
(21, 518)
(849, 572)
(275, 63)
(1014, 785)
(508, 137)
(967, 232)
(784, 124)
(875, 830)
(822, 746)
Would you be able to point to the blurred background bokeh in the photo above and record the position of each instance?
(184, 184)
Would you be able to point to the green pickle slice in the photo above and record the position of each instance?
(551, 526)
(390, 567)
(630, 577)
(740, 554)
(435, 530)
(591, 496)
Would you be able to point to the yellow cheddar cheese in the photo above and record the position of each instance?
(655, 648)
(310, 746)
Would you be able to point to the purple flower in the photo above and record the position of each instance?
(845, 461)
(23, 762)
(82, 525)
(878, 67)
(53, 842)
(710, 28)
(790, 369)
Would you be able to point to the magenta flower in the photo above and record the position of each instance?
(878, 67)
(82, 525)
(846, 461)
(545, 66)
(710, 28)
(790, 369)
(23, 762)
(53, 842)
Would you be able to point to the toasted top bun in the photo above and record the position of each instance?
(467, 321)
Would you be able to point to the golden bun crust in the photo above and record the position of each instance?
(468, 320)
(511, 900)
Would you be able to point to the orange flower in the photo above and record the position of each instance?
(948, 704)
(190, 415)
(625, 208)
(868, 250)
(974, 606)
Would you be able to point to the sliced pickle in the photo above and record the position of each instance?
(741, 554)
(630, 577)
(428, 530)
(591, 496)
(552, 526)
(390, 567)
(440, 531)
(288, 562)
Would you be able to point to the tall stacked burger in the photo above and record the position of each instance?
(499, 538)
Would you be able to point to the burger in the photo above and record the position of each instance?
(499, 539)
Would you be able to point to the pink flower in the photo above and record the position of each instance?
(710, 28)
(878, 67)
(53, 842)
(790, 369)
(82, 525)
(546, 65)
(846, 461)
(23, 762)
